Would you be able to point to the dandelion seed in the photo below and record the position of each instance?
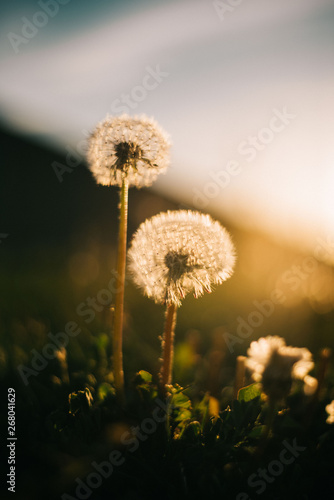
(276, 365)
(125, 147)
(176, 253)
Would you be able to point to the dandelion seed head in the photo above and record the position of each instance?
(179, 252)
(124, 147)
(276, 365)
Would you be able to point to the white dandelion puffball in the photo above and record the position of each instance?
(330, 412)
(275, 365)
(124, 147)
(175, 253)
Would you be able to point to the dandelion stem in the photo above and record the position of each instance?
(168, 347)
(325, 357)
(269, 420)
(324, 363)
(270, 417)
(120, 280)
(239, 375)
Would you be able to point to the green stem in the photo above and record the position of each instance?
(120, 281)
(270, 417)
(239, 375)
(168, 347)
(324, 363)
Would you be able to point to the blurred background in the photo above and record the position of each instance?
(245, 90)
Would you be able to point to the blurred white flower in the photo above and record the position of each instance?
(330, 411)
(175, 253)
(310, 385)
(259, 354)
(275, 365)
(135, 148)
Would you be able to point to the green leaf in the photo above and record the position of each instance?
(192, 432)
(250, 392)
(102, 341)
(257, 431)
(203, 408)
(146, 376)
(104, 390)
(80, 401)
(183, 415)
(180, 400)
(180, 404)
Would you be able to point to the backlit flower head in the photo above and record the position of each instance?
(275, 365)
(135, 148)
(330, 412)
(310, 385)
(175, 253)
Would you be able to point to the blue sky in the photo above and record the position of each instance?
(246, 93)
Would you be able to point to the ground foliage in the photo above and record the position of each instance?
(186, 448)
